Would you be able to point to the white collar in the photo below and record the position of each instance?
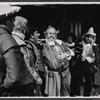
(21, 35)
(59, 41)
(53, 42)
(70, 45)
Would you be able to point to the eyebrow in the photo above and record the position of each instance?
(51, 32)
(91, 36)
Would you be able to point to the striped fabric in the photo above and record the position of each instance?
(79, 49)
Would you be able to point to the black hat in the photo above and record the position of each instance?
(32, 29)
(71, 35)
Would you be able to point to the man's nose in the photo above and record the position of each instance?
(52, 34)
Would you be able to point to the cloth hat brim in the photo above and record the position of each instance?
(90, 34)
(6, 10)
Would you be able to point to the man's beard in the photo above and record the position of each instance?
(51, 38)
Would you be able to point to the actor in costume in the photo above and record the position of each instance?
(35, 45)
(18, 33)
(70, 42)
(85, 62)
(15, 79)
(96, 76)
(56, 58)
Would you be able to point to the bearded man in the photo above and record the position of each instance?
(56, 58)
(85, 62)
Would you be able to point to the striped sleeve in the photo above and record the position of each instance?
(78, 49)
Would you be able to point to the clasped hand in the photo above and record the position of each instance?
(89, 59)
(64, 56)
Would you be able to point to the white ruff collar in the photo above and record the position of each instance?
(70, 45)
(21, 35)
(53, 42)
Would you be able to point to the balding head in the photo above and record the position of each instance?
(51, 33)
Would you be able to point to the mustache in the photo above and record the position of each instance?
(51, 37)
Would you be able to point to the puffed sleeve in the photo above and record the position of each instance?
(13, 58)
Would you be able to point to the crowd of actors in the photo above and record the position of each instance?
(30, 66)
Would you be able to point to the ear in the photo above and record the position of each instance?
(44, 32)
(57, 31)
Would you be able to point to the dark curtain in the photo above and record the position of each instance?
(66, 18)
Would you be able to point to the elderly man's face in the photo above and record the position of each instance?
(51, 35)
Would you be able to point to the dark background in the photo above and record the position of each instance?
(87, 21)
(50, 0)
(76, 18)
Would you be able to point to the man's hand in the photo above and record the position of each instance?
(62, 56)
(39, 81)
(89, 59)
(36, 77)
(67, 56)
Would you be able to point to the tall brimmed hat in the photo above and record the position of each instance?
(90, 32)
(6, 10)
